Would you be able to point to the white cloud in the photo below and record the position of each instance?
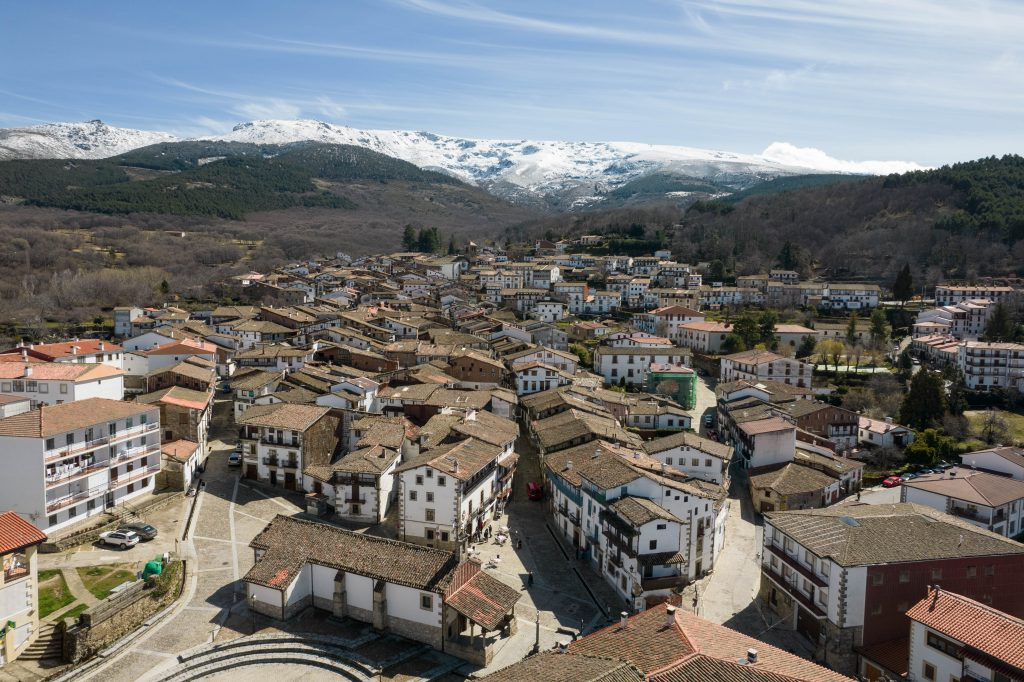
(328, 108)
(268, 108)
(816, 159)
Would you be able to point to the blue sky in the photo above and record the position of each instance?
(928, 81)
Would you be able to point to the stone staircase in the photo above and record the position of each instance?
(48, 645)
(325, 652)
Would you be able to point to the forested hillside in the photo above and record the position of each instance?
(221, 179)
(961, 221)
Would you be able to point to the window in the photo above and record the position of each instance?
(936, 574)
(49, 444)
(430, 533)
(990, 569)
(427, 602)
(653, 544)
(412, 495)
(52, 519)
(419, 480)
(128, 423)
(904, 576)
(441, 480)
(142, 419)
(824, 567)
(822, 596)
(876, 609)
(44, 388)
(112, 428)
(944, 645)
(707, 463)
(662, 526)
(668, 461)
(877, 579)
(972, 571)
(430, 496)
(429, 514)
(5, 387)
(430, 473)
(444, 536)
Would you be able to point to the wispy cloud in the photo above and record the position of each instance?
(268, 108)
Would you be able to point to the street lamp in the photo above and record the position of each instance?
(252, 611)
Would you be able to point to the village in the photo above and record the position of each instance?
(521, 462)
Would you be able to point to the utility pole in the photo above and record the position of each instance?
(536, 637)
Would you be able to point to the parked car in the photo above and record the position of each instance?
(534, 491)
(235, 458)
(891, 482)
(907, 476)
(709, 420)
(143, 530)
(119, 538)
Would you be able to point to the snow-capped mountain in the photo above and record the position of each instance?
(577, 173)
(89, 140)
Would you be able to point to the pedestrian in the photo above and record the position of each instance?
(529, 579)
(519, 543)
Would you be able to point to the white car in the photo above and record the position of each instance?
(119, 538)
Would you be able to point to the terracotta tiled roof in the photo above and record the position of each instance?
(976, 487)
(63, 349)
(982, 628)
(459, 460)
(1010, 454)
(176, 395)
(16, 532)
(290, 543)
(691, 648)
(57, 371)
(691, 440)
(283, 416)
(893, 655)
(639, 510)
(556, 667)
(51, 420)
(790, 478)
(179, 450)
(770, 425)
(871, 534)
(484, 600)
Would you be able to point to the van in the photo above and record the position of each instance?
(534, 491)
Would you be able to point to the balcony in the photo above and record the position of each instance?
(289, 443)
(281, 462)
(85, 446)
(789, 587)
(574, 518)
(621, 544)
(60, 477)
(134, 475)
(984, 516)
(667, 582)
(798, 567)
(615, 560)
(73, 498)
(354, 500)
(134, 453)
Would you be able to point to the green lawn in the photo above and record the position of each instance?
(1013, 420)
(75, 612)
(53, 592)
(100, 580)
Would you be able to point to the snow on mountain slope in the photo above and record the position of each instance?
(89, 140)
(564, 173)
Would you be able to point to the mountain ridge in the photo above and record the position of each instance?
(557, 174)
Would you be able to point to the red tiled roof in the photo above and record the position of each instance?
(15, 533)
(892, 655)
(667, 652)
(63, 350)
(484, 600)
(980, 627)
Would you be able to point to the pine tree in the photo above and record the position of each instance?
(409, 239)
(999, 326)
(903, 287)
(925, 403)
(806, 347)
(429, 241)
(851, 330)
(452, 250)
(879, 326)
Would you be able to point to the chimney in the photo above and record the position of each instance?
(623, 620)
(24, 355)
(74, 349)
(597, 453)
(751, 656)
(568, 465)
(888, 420)
(28, 370)
(456, 465)
(670, 616)
(103, 346)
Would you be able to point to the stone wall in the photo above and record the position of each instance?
(81, 642)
